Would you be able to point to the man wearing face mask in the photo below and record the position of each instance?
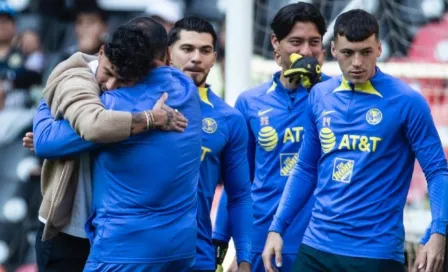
(72, 93)
(192, 43)
(364, 130)
(274, 113)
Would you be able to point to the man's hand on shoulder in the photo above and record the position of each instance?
(166, 118)
(161, 117)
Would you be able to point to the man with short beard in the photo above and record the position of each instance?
(192, 44)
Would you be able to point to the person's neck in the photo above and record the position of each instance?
(159, 63)
(286, 84)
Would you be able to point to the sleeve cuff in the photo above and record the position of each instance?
(426, 236)
(439, 226)
(278, 226)
(220, 237)
(244, 257)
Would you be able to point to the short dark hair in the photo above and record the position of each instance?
(154, 32)
(134, 47)
(191, 23)
(356, 25)
(289, 15)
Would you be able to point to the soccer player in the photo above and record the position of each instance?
(144, 188)
(192, 44)
(364, 130)
(274, 113)
(73, 93)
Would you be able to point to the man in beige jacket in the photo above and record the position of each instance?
(72, 93)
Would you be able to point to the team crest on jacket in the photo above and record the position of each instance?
(374, 116)
(209, 125)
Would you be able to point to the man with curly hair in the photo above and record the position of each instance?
(129, 209)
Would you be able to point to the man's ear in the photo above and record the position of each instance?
(168, 56)
(380, 49)
(278, 58)
(275, 42)
(215, 56)
(333, 49)
(101, 51)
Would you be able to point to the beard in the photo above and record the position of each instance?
(199, 80)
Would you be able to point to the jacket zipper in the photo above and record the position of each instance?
(352, 86)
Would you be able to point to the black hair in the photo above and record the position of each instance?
(289, 15)
(154, 32)
(135, 46)
(191, 23)
(356, 25)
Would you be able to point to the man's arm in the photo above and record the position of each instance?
(77, 100)
(222, 232)
(303, 178)
(235, 174)
(424, 140)
(46, 129)
(251, 144)
(299, 188)
(54, 139)
(251, 147)
(426, 236)
(222, 227)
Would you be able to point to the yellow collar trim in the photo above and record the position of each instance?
(272, 88)
(366, 87)
(204, 96)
